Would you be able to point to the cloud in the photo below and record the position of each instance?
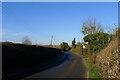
(2, 33)
(6, 33)
(16, 34)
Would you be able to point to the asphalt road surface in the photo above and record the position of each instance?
(73, 67)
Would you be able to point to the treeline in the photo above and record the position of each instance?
(95, 35)
(96, 38)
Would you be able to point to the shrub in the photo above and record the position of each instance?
(26, 41)
(64, 46)
(97, 41)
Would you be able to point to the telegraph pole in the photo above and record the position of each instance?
(51, 40)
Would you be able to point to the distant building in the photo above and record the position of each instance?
(84, 46)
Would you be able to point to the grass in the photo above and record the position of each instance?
(76, 50)
(93, 73)
(18, 57)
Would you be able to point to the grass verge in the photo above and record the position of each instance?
(93, 73)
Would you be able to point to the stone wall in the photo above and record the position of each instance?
(108, 61)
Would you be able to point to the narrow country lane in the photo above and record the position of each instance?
(73, 67)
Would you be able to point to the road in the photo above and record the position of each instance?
(73, 67)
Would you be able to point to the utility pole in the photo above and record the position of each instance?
(51, 40)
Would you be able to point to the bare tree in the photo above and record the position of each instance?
(113, 30)
(26, 41)
(90, 26)
(99, 28)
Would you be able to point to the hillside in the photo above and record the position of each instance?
(107, 61)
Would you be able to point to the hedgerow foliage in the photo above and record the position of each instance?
(97, 41)
(64, 46)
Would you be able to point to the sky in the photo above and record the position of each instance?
(62, 20)
(60, 0)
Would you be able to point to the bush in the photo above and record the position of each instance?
(97, 41)
(64, 46)
(26, 41)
